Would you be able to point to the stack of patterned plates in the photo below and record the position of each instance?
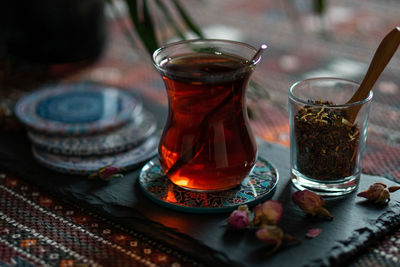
(79, 128)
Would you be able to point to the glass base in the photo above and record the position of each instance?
(325, 188)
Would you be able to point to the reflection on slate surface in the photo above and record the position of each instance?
(205, 236)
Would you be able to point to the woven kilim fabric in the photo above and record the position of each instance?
(385, 253)
(37, 229)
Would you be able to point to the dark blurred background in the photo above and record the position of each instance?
(71, 40)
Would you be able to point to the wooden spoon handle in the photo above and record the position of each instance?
(382, 56)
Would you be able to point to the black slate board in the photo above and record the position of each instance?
(206, 237)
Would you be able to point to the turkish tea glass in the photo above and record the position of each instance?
(207, 143)
(326, 146)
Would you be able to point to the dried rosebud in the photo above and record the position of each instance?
(106, 173)
(239, 219)
(312, 233)
(269, 212)
(270, 234)
(311, 203)
(393, 188)
(378, 193)
(373, 192)
(273, 235)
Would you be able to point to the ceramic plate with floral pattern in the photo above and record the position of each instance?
(259, 185)
(76, 109)
(121, 139)
(87, 165)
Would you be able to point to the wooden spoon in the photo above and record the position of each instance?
(382, 56)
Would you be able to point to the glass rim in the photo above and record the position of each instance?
(305, 102)
(198, 40)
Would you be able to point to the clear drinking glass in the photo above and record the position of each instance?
(207, 143)
(326, 146)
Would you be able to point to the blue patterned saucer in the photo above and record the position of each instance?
(124, 138)
(76, 109)
(259, 185)
(87, 165)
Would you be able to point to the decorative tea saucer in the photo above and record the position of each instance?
(73, 109)
(126, 137)
(259, 185)
(86, 165)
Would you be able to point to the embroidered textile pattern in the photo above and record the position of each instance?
(38, 230)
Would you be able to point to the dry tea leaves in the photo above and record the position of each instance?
(327, 143)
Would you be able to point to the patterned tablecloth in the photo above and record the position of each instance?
(39, 229)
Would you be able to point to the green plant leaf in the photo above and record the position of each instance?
(170, 19)
(125, 28)
(188, 21)
(143, 24)
(319, 7)
(145, 27)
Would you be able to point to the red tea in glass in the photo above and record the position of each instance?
(207, 143)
